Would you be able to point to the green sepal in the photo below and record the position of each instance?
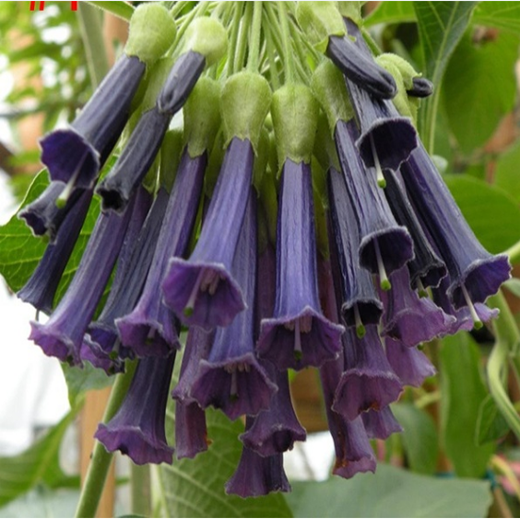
(295, 119)
(328, 86)
(152, 32)
(408, 73)
(351, 10)
(202, 116)
(319, 192)
(216, 158)
(208, 37)
(171, 151)
(319, 21)
(262, 159)
(245, 102)
(324, 147)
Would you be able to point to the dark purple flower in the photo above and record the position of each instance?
(475, 274)
(201, 290)
(41, 287)
(356, 292)
(421, 88)
(426, 268)
(191, 436)
(410, 365)
(137, 429)
(62, 335)
(380, 424)
(384, 245)
(408, 317)
(231, 378)
(150, 328)
(257, 476)
(298, 335)
(75, 155)
(368, 381)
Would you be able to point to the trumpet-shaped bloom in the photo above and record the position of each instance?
(380, 424)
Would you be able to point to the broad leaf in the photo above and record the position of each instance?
(391, 493)
(491, 425)
(441, 26)
(420, 440)
(391, 12)
(463, 392)
(503, 15)
(477, 201)
(80, 380)
(195, 488)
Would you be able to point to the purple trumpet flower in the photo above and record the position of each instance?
(146, 139)
(132, 268)
(368, 381)
(137, 429)
(276, 429)
(421, 88)
(298, 335)
(385, 246)
(380, 424)
(232, 378)
(75, 155)
(356, 292)
(426, 268)
(386, 139)
(258, 476)
(150, 329)
(191, 434)
(475, 274)
(201, 290)
(411, 365)
(408, 317)
(62, 335)
(41, 287)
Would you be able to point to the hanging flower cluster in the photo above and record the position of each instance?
(292, 219)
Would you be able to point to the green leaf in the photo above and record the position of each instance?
(478, 201)
(419, 436)
(502, 15)
(513, 285)
(122, 10)
(462, 394)
(441, 26)
(391, 493)
(42, 502)
(391, 12)
(491, 425)
(506, 173)
(479, 87)
(80, 380)
(195, 488)
(39, 463)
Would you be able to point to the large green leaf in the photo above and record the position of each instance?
(478, 201)
(507, 175)
(441, 26)
(195, 488)
(80, 380)
(463, 392)
(503, 15)
(419, 436)
(479, 87)
(392, 12)
(391, 493)
(39, 463)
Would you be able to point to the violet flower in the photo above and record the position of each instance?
(201, 290)
(61, 336)
(298, 335)
(41, 287)
(380, 424)
(358, 298)
(410, 365)
(408, 317)
(137, 429)
(231, 378)
(384, 245)
(475, 274)
(150, 329)
(368, 381)
(191, 435)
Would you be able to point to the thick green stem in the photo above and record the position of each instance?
(514, 254)
(141, 490)
(286, 40)
(245, 25)
(101, 458)
(254, 47)
(90, 24)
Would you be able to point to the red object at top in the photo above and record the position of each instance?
(41, 7)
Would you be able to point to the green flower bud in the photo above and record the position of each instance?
(295, 118)
(171, 151)
(152, 32)
(320, 20)
(405, 69)
(202, 116)
(245, 102)
(208, 37)
(328, 85)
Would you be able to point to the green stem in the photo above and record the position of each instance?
(514, 254)
(122, 10)
(240, 51)
(286, 41)
(141, 490)
(254, 47)
(273, 64)
(237, 16)
(101, 458)
(90, 22)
